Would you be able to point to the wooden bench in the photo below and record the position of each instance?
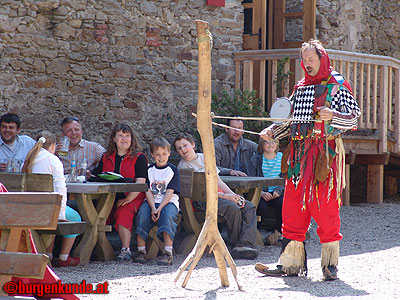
(18, 213)
(193, 188)
(21, 182)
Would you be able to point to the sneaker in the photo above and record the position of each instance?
(244, 253)
(165, 259)
(330, 272)
(140, 258)
(273, 238)
(124, 255)
(70, 262)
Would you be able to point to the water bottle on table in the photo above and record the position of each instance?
(72, 171)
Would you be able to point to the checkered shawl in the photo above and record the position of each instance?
(344, 106)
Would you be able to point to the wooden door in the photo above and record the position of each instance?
(275, 24)
(294, 22)
(291, 23)
(255, 37)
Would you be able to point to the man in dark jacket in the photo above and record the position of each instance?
(232, 151)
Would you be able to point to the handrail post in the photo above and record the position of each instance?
(397, 110)
(383, 124)
(247, 75)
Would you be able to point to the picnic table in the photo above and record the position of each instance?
(251, 185)
(95, 201)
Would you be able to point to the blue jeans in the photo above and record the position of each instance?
(166, 222)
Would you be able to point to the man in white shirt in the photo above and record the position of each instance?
(13, 147)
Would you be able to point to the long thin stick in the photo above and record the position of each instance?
(242, 130)
(260, 118)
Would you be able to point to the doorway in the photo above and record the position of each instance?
(275, 24)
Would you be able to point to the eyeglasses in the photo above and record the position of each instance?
(69, 120)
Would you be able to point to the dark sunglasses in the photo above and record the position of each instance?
(69, 120)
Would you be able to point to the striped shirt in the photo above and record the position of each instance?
(84, 150)
(272, 168)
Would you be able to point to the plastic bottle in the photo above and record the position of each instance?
(72, 171)
(82, 169)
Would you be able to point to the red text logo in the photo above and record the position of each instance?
(41, 289)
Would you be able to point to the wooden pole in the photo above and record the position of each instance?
(209, 235)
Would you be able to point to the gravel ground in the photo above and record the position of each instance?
(368, 268)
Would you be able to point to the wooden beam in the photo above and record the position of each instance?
(375, 184)
(27, 265)
(392, 173)
(350, 158)
(248, 75)
(390, 185)
(372, 159)
(30, 210)
(394, 159)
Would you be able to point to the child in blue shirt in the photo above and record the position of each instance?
(161, 204)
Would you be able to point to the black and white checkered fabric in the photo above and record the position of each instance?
(345, 107)
(303, 104)
(346, 110)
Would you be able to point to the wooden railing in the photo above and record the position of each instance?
(375, 81)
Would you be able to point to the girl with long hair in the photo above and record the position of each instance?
(41, 160)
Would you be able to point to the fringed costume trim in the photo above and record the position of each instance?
(293, 258)
(330, 254)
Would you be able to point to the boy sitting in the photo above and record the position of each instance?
(161, 204)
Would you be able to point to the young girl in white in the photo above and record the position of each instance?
(41, 160)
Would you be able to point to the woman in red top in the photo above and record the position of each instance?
(123, 156)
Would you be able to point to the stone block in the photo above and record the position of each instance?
(120, 70)
(43, 6)
(29, 52)
(39, 83)
(106, 89)
(153, 35)
(10, 24)
(58, 66)
(148, 8)
(64, 31)
(185, 55)
(75, 23)
(76, 5)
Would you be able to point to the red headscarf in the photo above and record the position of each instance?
(324, 71)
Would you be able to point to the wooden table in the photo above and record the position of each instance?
(253, 187)
(96, 214)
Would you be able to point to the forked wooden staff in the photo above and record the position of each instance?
(209, 235)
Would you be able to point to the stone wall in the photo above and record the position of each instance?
(367, 26)
(108, 61)
(136, 61)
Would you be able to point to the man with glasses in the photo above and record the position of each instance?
(79, 148)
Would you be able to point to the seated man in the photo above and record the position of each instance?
(13, 146)
(232, 151)
(80, 149)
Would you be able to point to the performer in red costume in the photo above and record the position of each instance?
(323, 107)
